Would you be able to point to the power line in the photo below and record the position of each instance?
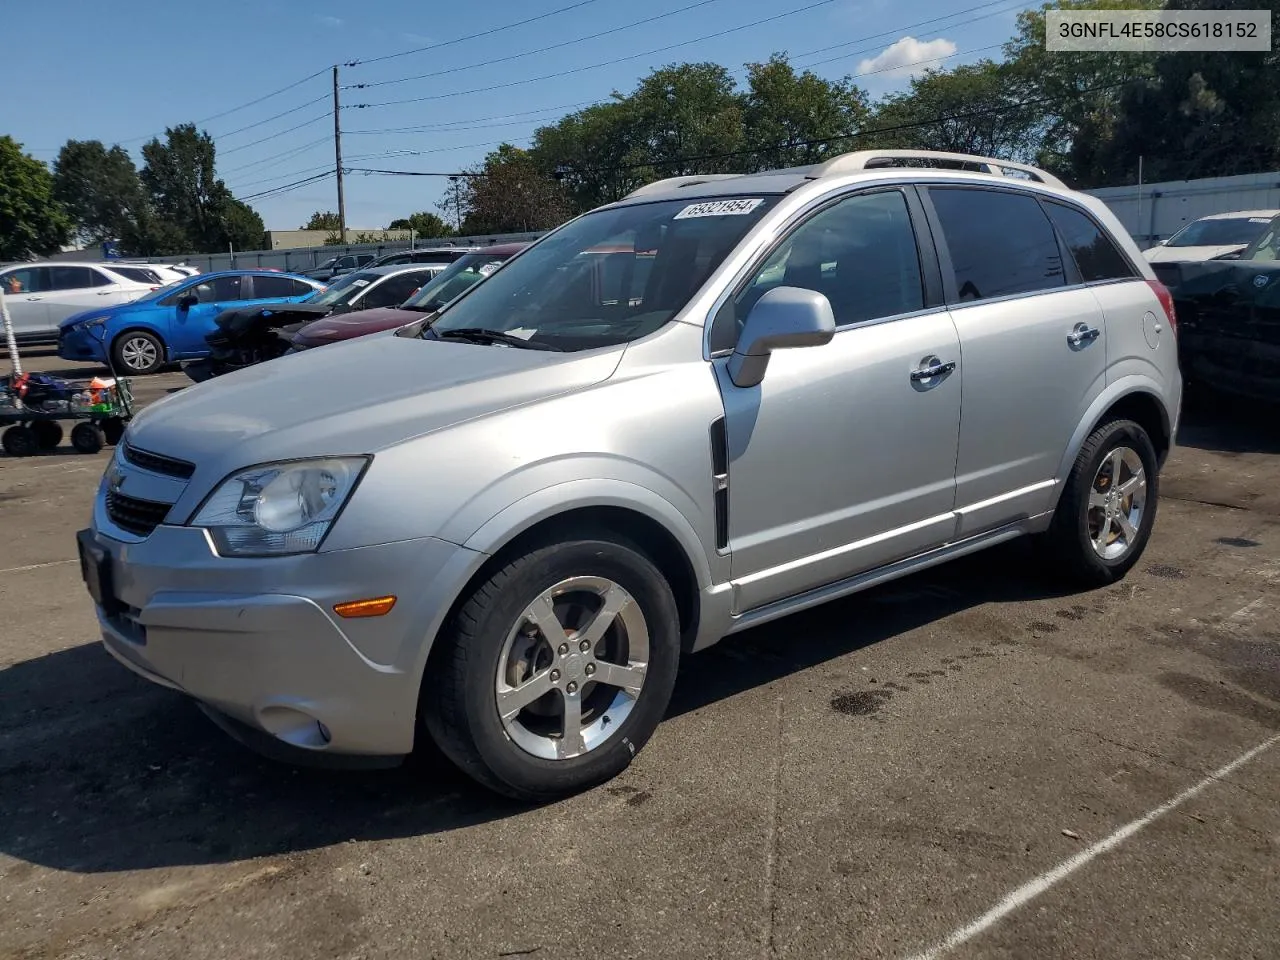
(301, 106)
(529, 53)
(278, 158)
(900, 66)
(604, 63)
(279, 133)
(448, 126)
(285, 188)
(475, 36)
(912, 125)
(282, 176)
(922, 23)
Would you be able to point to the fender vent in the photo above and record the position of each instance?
(720, 480)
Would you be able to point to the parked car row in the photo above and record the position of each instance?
(713, 403)
(1218, 237)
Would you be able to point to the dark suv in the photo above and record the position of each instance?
(425, 255)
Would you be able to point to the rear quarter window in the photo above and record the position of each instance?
(1094, 252)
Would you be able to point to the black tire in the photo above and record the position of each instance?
(1067, 544)
(87, 438)
(20, 441)
(459, 698)
(112, 430)
(48, 433)
(137, 352)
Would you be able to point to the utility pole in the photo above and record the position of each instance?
(337, 155)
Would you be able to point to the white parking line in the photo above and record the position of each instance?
(1029, 891)
(37, 566)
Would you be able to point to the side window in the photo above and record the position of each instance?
(26, 280)
(214, 290)
(76, 278)
(859, 252)
(393, 291)
(1093, 251)
(268, 287)
(1001, 243)
(301, 289)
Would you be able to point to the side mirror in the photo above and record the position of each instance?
(784, 317)
(187, 301)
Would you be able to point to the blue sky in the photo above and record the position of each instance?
(96, 71)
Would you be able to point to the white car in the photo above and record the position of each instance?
(41, 295)
(1211, 237)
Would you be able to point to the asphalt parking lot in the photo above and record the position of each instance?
(969, 763)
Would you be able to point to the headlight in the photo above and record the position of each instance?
(279, 508)
(93, 322)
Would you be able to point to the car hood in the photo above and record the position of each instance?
(103, 311)
(1171, 254)
(359, 397)
(347, 326)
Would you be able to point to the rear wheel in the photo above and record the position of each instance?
(555, 670)
(138, 352)
(19, 441)
(112, 430)
(48, 433)
(1108, 507)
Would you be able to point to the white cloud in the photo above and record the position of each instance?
(908, 56)
(331, 21)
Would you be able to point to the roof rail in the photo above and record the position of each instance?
(871, 159)
(675, 183)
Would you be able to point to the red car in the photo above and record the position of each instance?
(456, 278)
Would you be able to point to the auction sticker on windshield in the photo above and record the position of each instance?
(718, 208)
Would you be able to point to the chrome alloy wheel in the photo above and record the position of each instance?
(572, 668)
(139, 353)
(1117, 503)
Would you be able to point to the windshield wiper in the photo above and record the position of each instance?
(493, 336)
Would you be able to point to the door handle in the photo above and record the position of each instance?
(936, 368)
(1083, 334)
(105, 293)
(34, 299)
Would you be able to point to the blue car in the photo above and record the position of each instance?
(170, 323)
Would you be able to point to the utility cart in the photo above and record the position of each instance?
(33, 407)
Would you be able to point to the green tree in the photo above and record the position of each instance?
(99, 188)
(423, 224)
(791, 119)
(595, 154)
(183, 189)
(511, 193)
(1081, 92)
(32, 223)
(687, 117)
(326, 220)
(973, 108)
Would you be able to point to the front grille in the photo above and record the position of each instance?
(136, 516)
(154, 462)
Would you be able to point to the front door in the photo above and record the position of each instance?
(191, 326)
(843, 458)
(1034, 341)
(25, 290)
(75, 289)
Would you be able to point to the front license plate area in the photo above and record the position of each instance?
(95, 568)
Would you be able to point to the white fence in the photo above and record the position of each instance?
(1156, 211)
(302, 259)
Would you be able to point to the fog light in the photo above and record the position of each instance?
(373, 607)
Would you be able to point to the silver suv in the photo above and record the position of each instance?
(711, 404)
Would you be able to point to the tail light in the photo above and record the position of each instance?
(1166, 300)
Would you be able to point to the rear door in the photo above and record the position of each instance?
(76, 289)
(1034, 346)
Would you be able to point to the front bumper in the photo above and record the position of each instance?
(80, 343)
(257, 639)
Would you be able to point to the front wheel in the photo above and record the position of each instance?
(138, 352)
(1108, 506)
(556, 670)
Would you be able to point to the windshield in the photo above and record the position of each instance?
(453, 280)
(1219, 233)
(1265, 247)
(343, 290)
(610, 277)
(164, 291)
